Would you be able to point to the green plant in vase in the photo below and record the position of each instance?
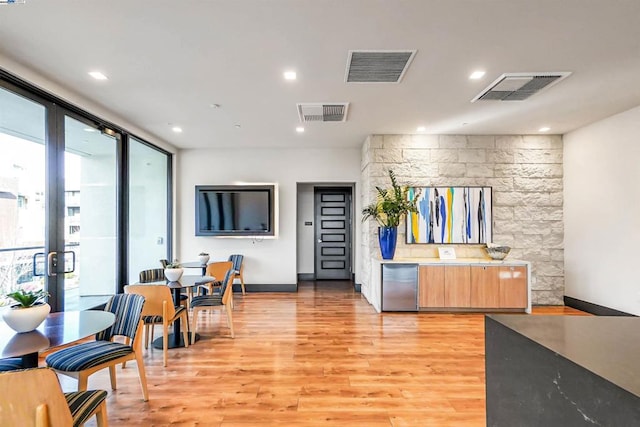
(29, 311)
(390, 207)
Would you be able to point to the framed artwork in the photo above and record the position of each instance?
(451, 215)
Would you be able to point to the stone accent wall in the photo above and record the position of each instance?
(525, 173)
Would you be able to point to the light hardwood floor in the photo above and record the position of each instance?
(321, 356)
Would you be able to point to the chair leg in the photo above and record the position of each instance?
(165, 342)
(194, 319)
(42, 415)
(146, 335)
(242, 285)
(112, 376)
(142, 375)
(101, 415)
(82, 381)
(185, 330)
(230, 320)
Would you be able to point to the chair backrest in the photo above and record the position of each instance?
(236, 259)
(128, 310)
(219, 269)
(152, 275)
(29, 392)
(154, 296)
(226, 289)
(164, 262)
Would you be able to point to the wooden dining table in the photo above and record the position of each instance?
(57, 330)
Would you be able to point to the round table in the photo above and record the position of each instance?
(58, 329)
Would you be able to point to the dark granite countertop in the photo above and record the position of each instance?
(607, 346)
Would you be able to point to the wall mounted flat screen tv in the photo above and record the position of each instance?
(235, 210)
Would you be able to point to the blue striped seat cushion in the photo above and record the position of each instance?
(83, 403)
(84, 356)
(206, 300)
(10, 364)
(158, 319)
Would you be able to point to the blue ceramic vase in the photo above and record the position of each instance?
(387, 237)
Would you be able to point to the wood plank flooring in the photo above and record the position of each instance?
(322, 356)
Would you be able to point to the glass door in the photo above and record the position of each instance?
(90, 214)
(23, 192)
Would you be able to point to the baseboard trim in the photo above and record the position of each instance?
(357, 287)
(306, 276)
(267, 287)
(592, 308)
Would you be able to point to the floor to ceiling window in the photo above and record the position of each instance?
(70, 221)
(22, 191)
(148, 202)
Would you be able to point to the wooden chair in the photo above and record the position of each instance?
(158, 309)
(238, 266)
(223, 301)
(82, 360)
(218, 270)
(34, 397)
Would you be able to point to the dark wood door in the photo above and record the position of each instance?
(333, 233)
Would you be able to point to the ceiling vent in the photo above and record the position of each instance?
(377, 66)
(519, 86)
(323, 112)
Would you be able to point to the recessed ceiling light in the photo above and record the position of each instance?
(290, 75)
(544, 129)
(477, 75)
(421, 128)
(214, 105)
(97, 75)
(176, 129)
(299, 129)
(237, 126)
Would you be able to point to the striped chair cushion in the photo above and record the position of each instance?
(206, 300)
(84, 356)
(83, 403)
(236, 259)
(152, 275)
(158, 319)
(10, 364)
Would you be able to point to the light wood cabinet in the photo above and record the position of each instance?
(513, 287)
(431, 286)
(473, 287)
(457, 286)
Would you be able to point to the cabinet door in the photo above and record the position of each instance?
(513, 287)
(485, 287)
(457, 286)
(431, 286)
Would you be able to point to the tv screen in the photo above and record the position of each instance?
(243, 210)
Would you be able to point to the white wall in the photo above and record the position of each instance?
(602, 212)
(269, 261)
(305, 249)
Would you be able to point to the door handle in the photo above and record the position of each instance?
(319, 240)
(52, 263)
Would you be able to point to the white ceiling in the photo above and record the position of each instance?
(168, 61)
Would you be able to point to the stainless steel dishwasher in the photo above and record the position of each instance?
(399, 287)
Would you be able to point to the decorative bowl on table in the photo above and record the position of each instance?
(498, 253)
(173, 274)
(203, 258)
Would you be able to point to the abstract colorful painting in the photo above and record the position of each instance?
(450, 215)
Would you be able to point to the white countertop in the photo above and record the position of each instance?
(487, 261)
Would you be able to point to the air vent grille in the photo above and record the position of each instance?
(325, 112)
(377, 66)
(519, 86)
